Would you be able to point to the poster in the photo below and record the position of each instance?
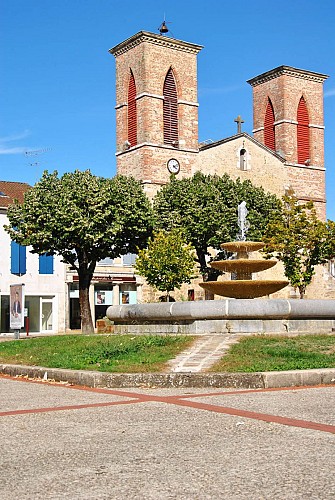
(16, 307)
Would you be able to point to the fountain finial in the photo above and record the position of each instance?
(242, 222)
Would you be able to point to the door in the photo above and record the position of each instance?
(46, 315)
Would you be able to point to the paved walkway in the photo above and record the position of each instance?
(206, 351)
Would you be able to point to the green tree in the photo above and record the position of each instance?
(167, 262)
(206, 207)
(300, 240)
(84, 219)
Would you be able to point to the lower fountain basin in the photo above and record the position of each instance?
(244, 289)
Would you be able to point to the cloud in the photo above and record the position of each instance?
(7, 149)
(11, 151)
(329, 93)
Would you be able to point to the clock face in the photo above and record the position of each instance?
(173, 166)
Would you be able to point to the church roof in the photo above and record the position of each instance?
(287, 70)
(10, 191)
(146, 36)
(246, 136)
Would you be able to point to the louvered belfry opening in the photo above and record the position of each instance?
(303, 132)
(132, 113)
(269, 127)
(170, 110)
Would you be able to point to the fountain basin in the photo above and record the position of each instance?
(245, 316)
(243, 265)
(242, 246)
(244, 289)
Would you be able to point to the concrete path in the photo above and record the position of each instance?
(206, 351)
(61, 442)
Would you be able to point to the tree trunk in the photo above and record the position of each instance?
(84, 302)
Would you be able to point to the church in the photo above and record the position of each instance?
(157, 128)
(157, 122)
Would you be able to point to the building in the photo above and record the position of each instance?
(43, 276)
(114, 282)
(157, 127)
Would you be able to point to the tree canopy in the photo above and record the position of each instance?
(84, 219)
(167, 262)
(206, 207)
(300, 240)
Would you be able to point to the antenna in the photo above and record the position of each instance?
(33, 153)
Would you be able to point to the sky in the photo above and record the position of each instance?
(57, 83)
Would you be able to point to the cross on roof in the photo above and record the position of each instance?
(239, 122)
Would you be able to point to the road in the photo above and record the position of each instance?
(63, 442)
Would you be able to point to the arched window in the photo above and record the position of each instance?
(269, 127)
(243, 159)
(170, 110)
(303, 132)
(132, 114)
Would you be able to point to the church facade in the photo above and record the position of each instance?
(157, 127)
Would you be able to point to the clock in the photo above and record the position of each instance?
(173, 166)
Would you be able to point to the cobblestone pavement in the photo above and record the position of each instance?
(69, 442)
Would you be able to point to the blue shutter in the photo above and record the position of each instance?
(46, 264)
(18, 258)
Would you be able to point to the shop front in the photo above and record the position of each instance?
(104, 291)
(39, 314)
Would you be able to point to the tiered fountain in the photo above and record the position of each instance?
(242, 314)
(242, 268)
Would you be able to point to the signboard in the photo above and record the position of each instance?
(16, 306)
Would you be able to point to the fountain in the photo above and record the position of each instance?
(243, 286)
(243, 314)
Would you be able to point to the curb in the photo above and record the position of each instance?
(257, 380)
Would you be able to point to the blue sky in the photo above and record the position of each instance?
(57, 85)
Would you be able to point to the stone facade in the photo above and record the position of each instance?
(261, 166)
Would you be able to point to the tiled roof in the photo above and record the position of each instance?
(10, 191)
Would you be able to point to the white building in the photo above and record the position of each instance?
(43, 276)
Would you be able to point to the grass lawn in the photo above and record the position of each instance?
(100, 353)
(273, 353)
(136, 354)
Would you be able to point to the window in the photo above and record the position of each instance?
(170, 110)
(243, 159)
(46, 264)
(129, 259)
(303, 132)
(269, 127)
(132, 112)
(17, 259)
(106, 262)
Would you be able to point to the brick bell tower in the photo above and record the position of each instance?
(288, 118)
(156, 108)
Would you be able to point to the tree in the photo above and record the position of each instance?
(167, 262)
(300, 240)
(84, 219)
(205, 207)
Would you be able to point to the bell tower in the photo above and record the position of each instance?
(288, 118)
(156, 108)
